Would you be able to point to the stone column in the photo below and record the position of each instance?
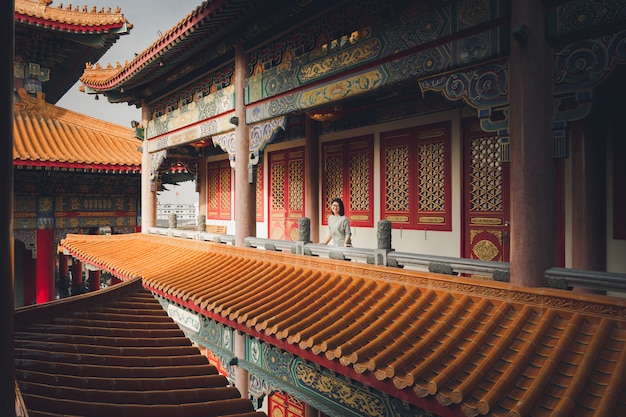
(148, 193)
(245, 185)
(311, 177)
(533, 175)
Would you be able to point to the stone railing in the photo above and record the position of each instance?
(384, 255)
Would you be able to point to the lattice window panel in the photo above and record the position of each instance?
(348, 169)
(213, 189)
(359, 181)
(296, 185)
(224, 188)
(431, 175)
(334, 177)
(397, 179)
(278, 189)
(415, 164)
(218, 194)
(259, 193)
(486, 175)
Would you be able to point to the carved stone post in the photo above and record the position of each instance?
(304, 229)
(384, 234)
(201, 223)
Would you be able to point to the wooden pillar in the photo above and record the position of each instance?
(29, 275)
(533, 176)
(7, 354)
(63, 265)
(202, 187)
(45, 266)
(77, 274)
(94, 280)
(311, 175)
(242, 378)
(588, 198)
(148, 191)
(245, 184)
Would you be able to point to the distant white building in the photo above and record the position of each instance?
(186, 213)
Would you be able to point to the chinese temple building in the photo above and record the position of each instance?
(482, 133)
(72, 173)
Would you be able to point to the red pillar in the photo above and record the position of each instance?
(533, 173)
(77, 274)
(94, 280)
(63, 265)
(311, 175)
(45, 265)
(30, 277)
(245, 186)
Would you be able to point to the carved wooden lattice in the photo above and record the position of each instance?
(359, 181)
(348, 170)
(486, 175)
(212, 189)
(259, 193)
(397, 185)
(432, 164)
(296, 183)
(415, 164)
(278, 176)
(334, 177)
(218, 198)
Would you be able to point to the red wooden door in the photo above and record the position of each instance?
(286, 193)
(486, 196)
(282, 404)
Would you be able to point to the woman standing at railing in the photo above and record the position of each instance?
(338, 225)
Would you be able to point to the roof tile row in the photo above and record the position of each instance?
(488, 347)
(47, 134)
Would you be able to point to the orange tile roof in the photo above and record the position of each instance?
(48, 135)
(77, 19)
(476, 346)
(115, 353)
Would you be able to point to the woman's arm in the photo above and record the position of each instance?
(347, 241)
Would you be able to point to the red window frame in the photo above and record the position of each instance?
(215, 170)
(345, 149)
(412, 139)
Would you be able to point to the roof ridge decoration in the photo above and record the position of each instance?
(98, 78)
(42, 10)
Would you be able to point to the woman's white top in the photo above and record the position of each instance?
(339, 228)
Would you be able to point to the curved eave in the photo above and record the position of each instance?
(78, 20)
(167, 48)
(116, 27)
(440, 343)
(67, 166)
(48, 135)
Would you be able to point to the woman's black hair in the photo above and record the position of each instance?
(341, 209)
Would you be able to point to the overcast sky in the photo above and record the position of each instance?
(150, 19)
